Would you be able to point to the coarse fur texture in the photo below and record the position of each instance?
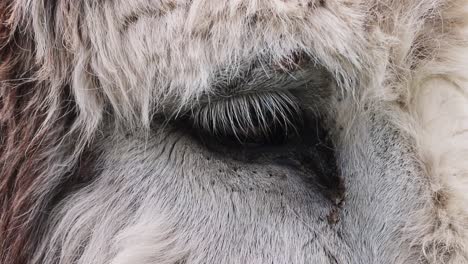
(242, 131)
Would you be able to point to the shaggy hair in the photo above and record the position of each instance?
(95, 170)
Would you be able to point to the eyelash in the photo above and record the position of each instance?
(268, 117)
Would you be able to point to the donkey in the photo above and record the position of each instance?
(246, 131)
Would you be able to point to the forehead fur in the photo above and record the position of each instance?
(138, 57)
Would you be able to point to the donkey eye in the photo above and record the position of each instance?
(257, 118)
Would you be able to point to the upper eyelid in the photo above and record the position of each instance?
(256, 80)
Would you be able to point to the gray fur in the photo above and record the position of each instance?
(217, 210)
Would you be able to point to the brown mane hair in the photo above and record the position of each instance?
(26, 143)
